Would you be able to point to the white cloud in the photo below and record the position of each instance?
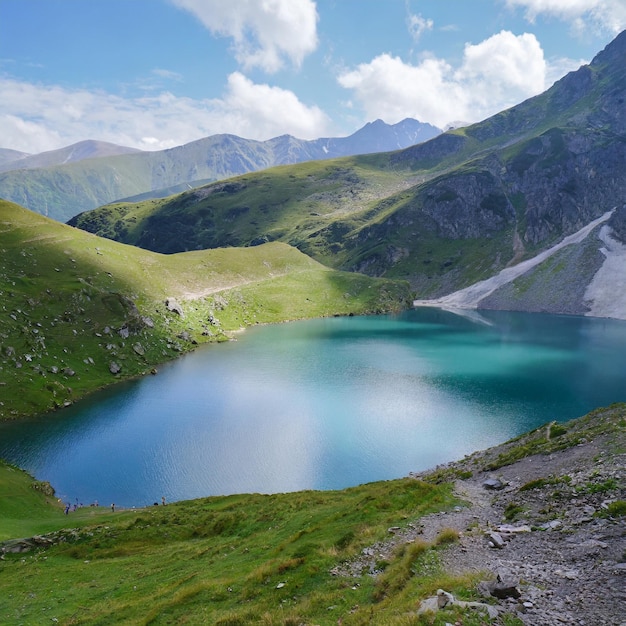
(264, 32)
(262, 110)
(503, 69)
(167, 74)
(607, 15)
(35, 118)
(418, 25)
(494, 74)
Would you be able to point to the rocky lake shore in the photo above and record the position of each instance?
(542, 521)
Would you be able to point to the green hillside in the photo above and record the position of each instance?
(442, 214)
(245, 559)
(80, 312)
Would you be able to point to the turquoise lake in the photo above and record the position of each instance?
(324, 404)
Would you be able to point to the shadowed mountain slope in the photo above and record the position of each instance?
(443, 214)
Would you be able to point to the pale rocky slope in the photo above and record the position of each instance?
(584, 274)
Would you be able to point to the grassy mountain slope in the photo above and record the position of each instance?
(73, 304)
(61, 185)
(297, 203)
(248, 559)
(364, 555)
(443, 214)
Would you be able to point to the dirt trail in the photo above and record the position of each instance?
(568, 559)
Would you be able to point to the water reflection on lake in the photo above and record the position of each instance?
(324, 404)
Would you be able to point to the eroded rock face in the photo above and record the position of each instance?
(468, 206)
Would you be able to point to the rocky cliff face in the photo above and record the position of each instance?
(527, 177)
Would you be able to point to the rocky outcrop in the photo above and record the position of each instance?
(515, 185)
(172, 304)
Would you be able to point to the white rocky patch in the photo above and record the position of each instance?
(606, 293)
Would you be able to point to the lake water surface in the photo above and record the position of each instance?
(324, 404)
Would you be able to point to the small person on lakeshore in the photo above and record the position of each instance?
(113, 507)
(67, 508)
(163, 500)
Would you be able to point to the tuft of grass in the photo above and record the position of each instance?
(447, 536)
(615, 509)
(540, 483)
(512, 511)
(397, 574)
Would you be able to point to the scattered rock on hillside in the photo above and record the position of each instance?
(114, 368)
(173, 306)
(494, 484)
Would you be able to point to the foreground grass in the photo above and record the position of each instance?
(72, 304)
(229, 560)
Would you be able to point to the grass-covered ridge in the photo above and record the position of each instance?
(75, 306)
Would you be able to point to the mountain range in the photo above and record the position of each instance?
(443, 214)
(61, 183)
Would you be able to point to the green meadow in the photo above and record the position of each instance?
(245, 559)
(80, 312)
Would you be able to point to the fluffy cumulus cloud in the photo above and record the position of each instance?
(607, 15)
(494, 74)
(35, 118)
(265, 111)
(264, 32)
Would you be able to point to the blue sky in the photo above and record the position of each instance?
(154, 74)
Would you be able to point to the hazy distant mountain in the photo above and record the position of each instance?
(10, 156)
(374, 137)
(65, 182)
(88, 149)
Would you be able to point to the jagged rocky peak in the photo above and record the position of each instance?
(615, 52)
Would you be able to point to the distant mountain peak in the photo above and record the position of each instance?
(614, 51)
(86, 149)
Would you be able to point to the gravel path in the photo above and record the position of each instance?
(568, 560)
